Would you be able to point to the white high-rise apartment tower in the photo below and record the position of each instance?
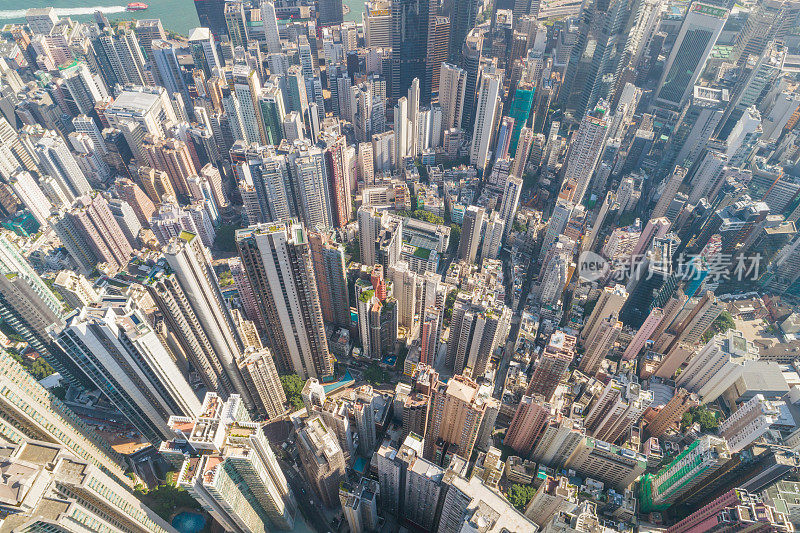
(717, 365)
(413, 117)
(50, 489)
(261, 375)
(29, 411)
(508, 208)
(225, 462)
(188, 258)
(247, 87)
(471, 233)
(315, 199)
(270, 21)
(487, 115)
(557, 222)
(452, 85)
(584, 152)
(26, 188)
(402, 130)
(115, 346)
(609, 303)
(277, 259)
(57, 162)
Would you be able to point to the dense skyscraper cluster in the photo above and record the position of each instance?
(445, 266)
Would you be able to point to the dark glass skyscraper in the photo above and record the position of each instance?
(699, 31)
(329, 12)
(212, 15)
(462, 15)
(594, 58)
(409, 43)
(471, 60)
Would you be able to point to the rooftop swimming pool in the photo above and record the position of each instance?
(346, 380)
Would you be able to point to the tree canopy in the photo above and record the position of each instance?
(703, 416)
(375, 374)
(38, 368)
(421, 214)
(455, 238)
(721, 324)
(166, 498)
(353, 250)
(292, 387)
(225, 278)
(448, 304)
(520, 495)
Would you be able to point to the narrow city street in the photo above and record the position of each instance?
(310, 505)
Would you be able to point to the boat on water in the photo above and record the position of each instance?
(137, 6)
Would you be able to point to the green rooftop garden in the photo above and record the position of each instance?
(366, 296)
(422, 253)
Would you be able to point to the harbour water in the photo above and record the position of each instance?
(176, 15)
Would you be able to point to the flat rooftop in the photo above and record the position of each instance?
(133, 101)
(461, 390)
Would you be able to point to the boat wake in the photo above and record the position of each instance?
(64, 12)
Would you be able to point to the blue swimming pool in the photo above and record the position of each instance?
(346, 380)
(187, 522)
